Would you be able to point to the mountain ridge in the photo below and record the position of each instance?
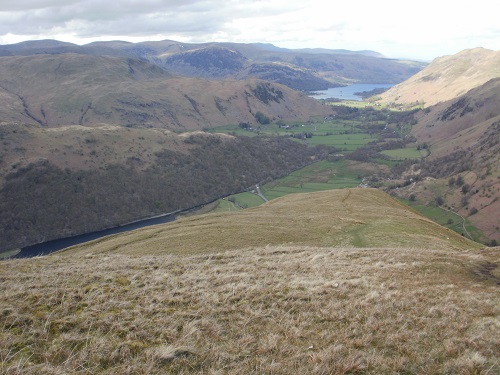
(446, 78)
(462, 136)
(129, 92)
(324, 67)
(347, 218)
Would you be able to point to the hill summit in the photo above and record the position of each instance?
(336, 218)
(447, 78)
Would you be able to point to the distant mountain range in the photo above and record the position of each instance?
(306, 69)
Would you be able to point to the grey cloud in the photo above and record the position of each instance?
(95, 18)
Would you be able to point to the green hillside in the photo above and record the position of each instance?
(336, 218)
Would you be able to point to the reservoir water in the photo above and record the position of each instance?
(348, 92)
(51, 246)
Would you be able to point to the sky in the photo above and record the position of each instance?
(420, 30)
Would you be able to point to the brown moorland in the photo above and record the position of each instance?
(447, 78)
(413, 306)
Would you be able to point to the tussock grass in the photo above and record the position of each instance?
(274, 310)
(350, 281)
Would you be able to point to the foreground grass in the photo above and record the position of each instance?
(274, 310)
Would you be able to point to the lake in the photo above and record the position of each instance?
(62, 243)
(347, 92)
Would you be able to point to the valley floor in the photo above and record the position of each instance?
(273, 309)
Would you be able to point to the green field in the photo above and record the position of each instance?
(323, 175)
(223, 205)
(343, 142)
(237, 202)
(446, 218)
(320, 176)
(405, 153)
(342, 134)
(248, 199)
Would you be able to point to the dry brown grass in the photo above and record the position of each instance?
(416, 299)
(273, 310)
(447, 78)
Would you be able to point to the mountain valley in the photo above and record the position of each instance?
(329, 236)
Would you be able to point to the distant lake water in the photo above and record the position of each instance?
(347, 92)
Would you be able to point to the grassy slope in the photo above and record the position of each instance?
(349, 217)
(419, 304)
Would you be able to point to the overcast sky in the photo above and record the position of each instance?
(422, 29)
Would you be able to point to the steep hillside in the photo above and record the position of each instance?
(210, 62)
(463, 137)
(348, 217)
(287, 74)
(447, 78)
(458, 124)
(326, 66)
(142, 304)
(73, 89)
(66, 181)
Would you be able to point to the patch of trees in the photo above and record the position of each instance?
(266, 93)
(303, 135)
(448, 165)
(460, 108)
(371, 114)
(367, 153)
(442, 167)
(262, 118)
(43, 202)
(367, 94)
(394, 144)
